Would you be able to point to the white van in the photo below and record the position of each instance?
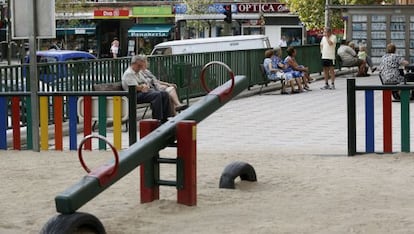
(213, 44)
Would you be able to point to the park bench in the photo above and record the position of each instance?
(116, 86)
(266, 80)
(341, 65)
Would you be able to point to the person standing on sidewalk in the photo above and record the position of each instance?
(328, 47)
(115, 47)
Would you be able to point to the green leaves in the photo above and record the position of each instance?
(312, 12)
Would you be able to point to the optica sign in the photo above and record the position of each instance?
(218, 8)
(264, 7)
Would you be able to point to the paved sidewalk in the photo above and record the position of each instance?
(313, 122)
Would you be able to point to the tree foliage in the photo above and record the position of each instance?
(197, 7)
(70, 8)
(312, 12)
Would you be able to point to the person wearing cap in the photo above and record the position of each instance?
(328, 46)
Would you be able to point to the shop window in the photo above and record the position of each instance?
(293, 36)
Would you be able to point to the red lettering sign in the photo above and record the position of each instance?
(264, 7)
(111, 13)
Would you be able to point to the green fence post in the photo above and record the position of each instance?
(183, 75)
(102, 120)
(29, 133)
(351, 101)
(132, 107)
(405, 121)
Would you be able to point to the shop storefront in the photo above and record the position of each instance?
(153, 24)
(110, 24)
(77, 35)
(270, 19)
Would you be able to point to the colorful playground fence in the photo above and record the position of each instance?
(387, 117)
(59, 101)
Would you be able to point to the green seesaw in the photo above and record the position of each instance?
(91, 185)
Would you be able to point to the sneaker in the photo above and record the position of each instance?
(307, 88)
(333, 86)
(326, 87)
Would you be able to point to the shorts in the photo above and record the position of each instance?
(327, 62)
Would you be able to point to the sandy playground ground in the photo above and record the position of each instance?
(298, 193)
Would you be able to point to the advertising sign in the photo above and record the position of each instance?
(111, 14)
(218, 8)
(149, 11)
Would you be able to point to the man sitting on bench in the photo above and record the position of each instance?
(350, 59)
(160, 100)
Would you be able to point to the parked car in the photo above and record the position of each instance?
(52, 63)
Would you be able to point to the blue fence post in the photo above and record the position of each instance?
(3, 123)
(73, 119)
(369, 122)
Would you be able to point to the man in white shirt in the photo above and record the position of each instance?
(350, 58)
(328, 45)
(160, 100)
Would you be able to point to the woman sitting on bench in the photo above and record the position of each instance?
(171, 89)
(298, 71)
(273, 67)
(389, 68)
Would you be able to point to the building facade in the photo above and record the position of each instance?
(139, 25)
(377, 25)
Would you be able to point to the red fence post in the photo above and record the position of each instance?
(87, 120)
(186, 152)
(149, 174)
(387, 120)
(58, 115)
(15, 109)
